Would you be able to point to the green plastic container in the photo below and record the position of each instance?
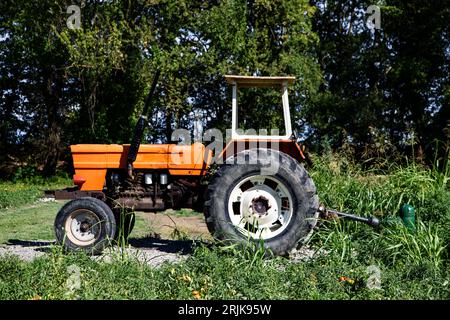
(408, 215)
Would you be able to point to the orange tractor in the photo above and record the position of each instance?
(260, 190)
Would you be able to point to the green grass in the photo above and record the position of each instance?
(183, 213)
(411, 265)
(212, 273)
(35, 222)
(28, 191)
(30, 222)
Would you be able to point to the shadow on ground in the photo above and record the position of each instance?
(182, 247)
(38, 245)
(164, 245)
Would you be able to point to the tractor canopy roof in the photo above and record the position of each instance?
(252, 81)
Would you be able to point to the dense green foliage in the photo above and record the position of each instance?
(347, 187)
(376, 92)
(386, 91)
(64, 86)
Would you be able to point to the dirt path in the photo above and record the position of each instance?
(169, 226)
(170, 238)
(151, 251)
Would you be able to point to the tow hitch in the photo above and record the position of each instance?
(330, 214)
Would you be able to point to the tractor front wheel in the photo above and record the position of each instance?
(263, 196)
(85, 224)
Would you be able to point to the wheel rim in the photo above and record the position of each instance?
(82, 227)
(260, 207)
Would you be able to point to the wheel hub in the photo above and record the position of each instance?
(82, 227)
(85, 226)
(260, 206)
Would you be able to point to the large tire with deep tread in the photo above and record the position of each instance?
(105, 227)
(255, 161)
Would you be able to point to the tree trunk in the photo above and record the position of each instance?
(53, 136)
(52, 151)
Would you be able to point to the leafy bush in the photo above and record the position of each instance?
(343, 185)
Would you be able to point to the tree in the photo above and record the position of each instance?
(33, 77)
(385, 86)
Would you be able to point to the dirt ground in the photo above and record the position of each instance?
(159, 238)
(167, 226)
(168, 238)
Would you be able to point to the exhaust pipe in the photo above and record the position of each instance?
(140, 127)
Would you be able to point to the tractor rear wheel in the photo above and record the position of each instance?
(264, 195)
(85, 224)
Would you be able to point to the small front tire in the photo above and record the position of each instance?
(85, 224)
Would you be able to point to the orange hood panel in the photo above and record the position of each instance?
(91, 161)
